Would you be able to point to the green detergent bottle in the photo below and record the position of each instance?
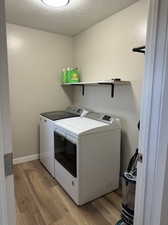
(64, 76)
(68, 74)
(74, 76)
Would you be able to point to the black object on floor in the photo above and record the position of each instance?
(128, 189)
(121, 222)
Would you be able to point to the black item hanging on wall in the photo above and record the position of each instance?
(141, 49)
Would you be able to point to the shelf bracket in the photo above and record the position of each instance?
(112, 87)
(83, 90)
(112, 90)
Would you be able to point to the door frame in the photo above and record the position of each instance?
(7, 199)
(3, 193)
(153, 141)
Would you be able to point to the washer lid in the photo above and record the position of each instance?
(57, 115)
(82, 125)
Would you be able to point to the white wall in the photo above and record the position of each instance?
(104, 52)
(35, 60)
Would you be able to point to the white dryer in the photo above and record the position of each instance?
(87, 156)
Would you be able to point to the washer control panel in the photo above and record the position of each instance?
(75, 110)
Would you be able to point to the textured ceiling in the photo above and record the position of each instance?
(71, 20)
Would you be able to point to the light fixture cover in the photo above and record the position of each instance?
(56, 3)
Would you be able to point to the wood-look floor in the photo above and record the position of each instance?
(41, 201)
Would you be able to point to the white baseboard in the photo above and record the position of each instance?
(25, 159)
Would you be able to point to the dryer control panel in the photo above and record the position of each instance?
(106, 118)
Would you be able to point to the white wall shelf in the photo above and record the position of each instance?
(111, 83)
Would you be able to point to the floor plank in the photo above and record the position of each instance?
(41, 201)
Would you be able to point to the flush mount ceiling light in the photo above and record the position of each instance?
(56, 3)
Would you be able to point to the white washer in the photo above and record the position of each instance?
(87, 156)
